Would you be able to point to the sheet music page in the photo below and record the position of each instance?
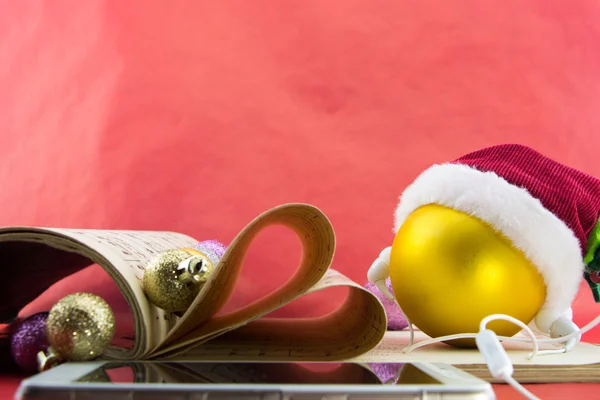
(318, 244)
(129, 252)
(354, 328)
(124, 255)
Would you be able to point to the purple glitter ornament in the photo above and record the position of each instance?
(386, 371)
(213, 249)
(27, 340)
(396, 321)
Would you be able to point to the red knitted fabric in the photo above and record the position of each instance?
(571, 195)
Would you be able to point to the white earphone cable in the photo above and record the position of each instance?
(497, 360)
(519, 388)
(482, 327)
(592, 324)
(457, 336)
(495, 317)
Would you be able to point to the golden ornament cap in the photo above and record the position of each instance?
(80, 327)
(173, 279)
(48, 359)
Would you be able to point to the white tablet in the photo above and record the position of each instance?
(252, 381)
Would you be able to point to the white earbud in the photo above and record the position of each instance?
(378, 274)
(556, 325)
(380, 271)
(564, 326)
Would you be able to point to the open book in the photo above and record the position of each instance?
(34, 258)
(582, 364)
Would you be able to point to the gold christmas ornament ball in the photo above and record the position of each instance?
(173, 279)
(80, 327)
(449, 270)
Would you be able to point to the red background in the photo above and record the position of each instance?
(195, 116)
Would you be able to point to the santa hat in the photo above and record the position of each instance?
(548, 210)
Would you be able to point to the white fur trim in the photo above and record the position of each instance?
(544, 239)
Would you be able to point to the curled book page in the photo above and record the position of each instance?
(356, 327)
(318, 247)
(353, 329)
(56, 253)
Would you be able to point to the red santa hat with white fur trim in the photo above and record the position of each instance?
(548, 210)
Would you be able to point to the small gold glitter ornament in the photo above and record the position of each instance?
(80, 327)
(173, 279)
